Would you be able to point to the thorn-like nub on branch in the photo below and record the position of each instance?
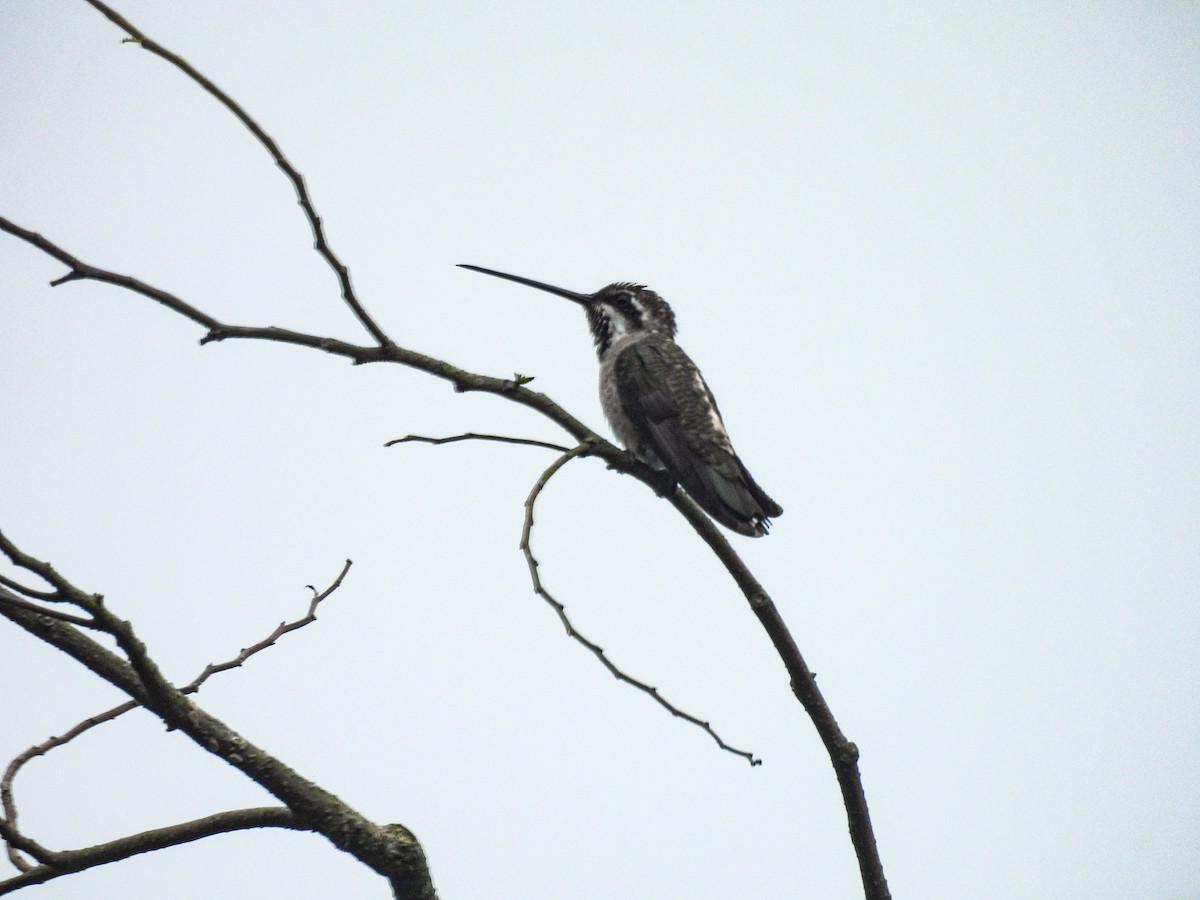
(73, 275)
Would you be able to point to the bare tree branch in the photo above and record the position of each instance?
(269, 641)
(157, 693)
(13, 600)
(381, 848)
(27, 591)
(81, 271)
(19, 761)
(15, 841)
(7, 802)
(472, 436)
(462, 380)
(66, 862)
(320, 243)
(540, 590)
(843, 754)
(64, 591)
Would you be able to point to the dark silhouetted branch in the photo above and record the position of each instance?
(83, 271)
(843, 754)
(320, 243)
(471, 436)
(540, 590)
(7, 802)
(66, 862)
(269, 641)
(12, 599)
(389, 853)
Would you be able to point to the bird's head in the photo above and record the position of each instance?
(614, 311)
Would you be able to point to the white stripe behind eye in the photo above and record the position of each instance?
(616, 321)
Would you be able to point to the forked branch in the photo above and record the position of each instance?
(843, 754)
(7, 800)
(390, 852)
(573, 632)
(320, 242)
(66, 862)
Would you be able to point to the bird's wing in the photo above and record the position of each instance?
(711, 474)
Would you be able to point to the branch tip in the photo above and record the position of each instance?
(73, 275)
(583, 449)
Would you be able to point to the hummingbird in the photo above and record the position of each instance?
(659, 405)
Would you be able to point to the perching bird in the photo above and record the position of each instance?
(658, 404)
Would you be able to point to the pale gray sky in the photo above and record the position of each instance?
(939, 264)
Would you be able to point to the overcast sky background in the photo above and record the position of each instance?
(939, 263)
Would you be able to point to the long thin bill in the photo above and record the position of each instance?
(529, 282)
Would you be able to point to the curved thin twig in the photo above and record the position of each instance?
(269, 641)
(320, 243)
(7, 801)
(573, 632)
(64, 591)
(472, 436)
(7, 596)
(399, 860)
(843, 754)
(66, 862)
(25, 590)
(568, 454)
(19, 761)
